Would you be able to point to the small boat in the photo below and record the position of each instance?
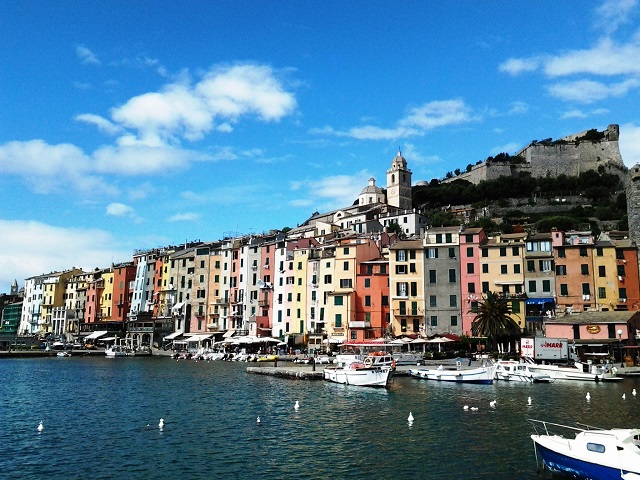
(576, 371)
(588, 453)
(373, 372)
(267, 358)
(119, 351)
(63, 354)
(512, 371)
(483, 375)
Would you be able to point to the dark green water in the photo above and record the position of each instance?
(101, 422)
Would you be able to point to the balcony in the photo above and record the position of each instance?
(263, 303)
(512, 296)
(408, 312)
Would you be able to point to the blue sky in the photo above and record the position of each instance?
(132, 125)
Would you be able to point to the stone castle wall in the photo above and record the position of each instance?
(542, 159)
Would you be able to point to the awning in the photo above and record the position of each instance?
(532, 301)
(335, 340)
(177, 306)
(173, 335)
(95, 335)
(108, 339)
(199, 337)
(228, 333)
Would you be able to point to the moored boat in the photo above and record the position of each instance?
(483, 375)
(576, 371)
(589, 453)
(63, 354)
(512, 371)
(119, 351)
(375, 371)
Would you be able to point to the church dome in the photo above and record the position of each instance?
(371, 188)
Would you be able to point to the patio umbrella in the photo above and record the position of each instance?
(268, 340)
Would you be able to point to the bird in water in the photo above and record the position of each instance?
(40, 426)
(465, 408)
(624, 396)
(410, 419)
(474, 409)
(492, 404)
(297, 405)
(161, 424)
(258, 420)
(588, 397)
(633, 392)
(529, 400)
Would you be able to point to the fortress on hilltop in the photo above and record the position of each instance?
(571, 156)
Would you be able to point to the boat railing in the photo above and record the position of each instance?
(541, 427)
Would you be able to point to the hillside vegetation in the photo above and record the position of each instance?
(602, 199)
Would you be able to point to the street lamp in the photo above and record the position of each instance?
(619, 332)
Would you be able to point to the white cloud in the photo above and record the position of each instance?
(330, 193)
(416, 122)
(575, 113)
(141, 159)
(219, 99)
(630, 144)
(185, 217)
(613, 13)
(516, 66)
(606, 58)
(86, 55)
(100, 122)
(119, 210)
(49, 168)
(510, 148)
(589, 91)
(518, 108)
(33, 248)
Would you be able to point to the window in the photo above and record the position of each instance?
(515, 307)
(602, 292)
(621, 271)
(327, 279)
(515, 251)
(346, 283)
(385, 301)
(485, 287)
(414, 289)
(583, 251)
(401, 255)
(485, 252)
(401, 269)
(546, 286)
(564, 289)
(346, 250)
(599, 251)
(433, 301)
(503, 251)
(470, 268)
(453, 301)
(448, 238)
(561, 252)
(503, 269)
(367, 283)
(338, 321)
(299, 265)
(485, 268)
(367, 300)
(412, 268)
(432, 276)
(452, 275)
(470, 252)
(586, 290)
(602, 271)
(454, 320)
(338, 300)
(345, 266)
(412, 254)
(584, 269)
(532, 286)
(561, 270)
(438, 238)
(434, 321)
(468, 238)
(546, 265)
(620, 254)
(432, 253)
(471, 287)
(401, 289)
(623, 294)
(516, 268)
(531, 266)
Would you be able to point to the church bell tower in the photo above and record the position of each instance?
(399, 184)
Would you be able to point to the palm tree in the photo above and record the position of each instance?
(493, 319)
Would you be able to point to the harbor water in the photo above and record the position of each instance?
(101, 415)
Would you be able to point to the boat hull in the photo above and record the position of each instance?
(577, 468)
(482, 375)
(363, 377)
(557, 372)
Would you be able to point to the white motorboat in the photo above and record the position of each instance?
(119, 351)
(63, 354)
(512, 371)
(483, 375)
(375, 371)
(576, 371)
(588, 453)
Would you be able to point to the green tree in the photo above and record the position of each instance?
(493, 319)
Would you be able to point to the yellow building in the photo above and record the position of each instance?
(605, 276)
(406, 287)
(502, 271)
(53, 295)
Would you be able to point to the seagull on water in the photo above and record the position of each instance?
(529, 400)
(633, 392)
(624, 396)
(588, 397)
(474, 409)
(40, 426)
(466, 407)
(410, 419)
(161, 424)
(258, 420)
(492, 404)
(297, 405)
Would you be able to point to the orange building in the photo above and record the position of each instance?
(372, 311)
